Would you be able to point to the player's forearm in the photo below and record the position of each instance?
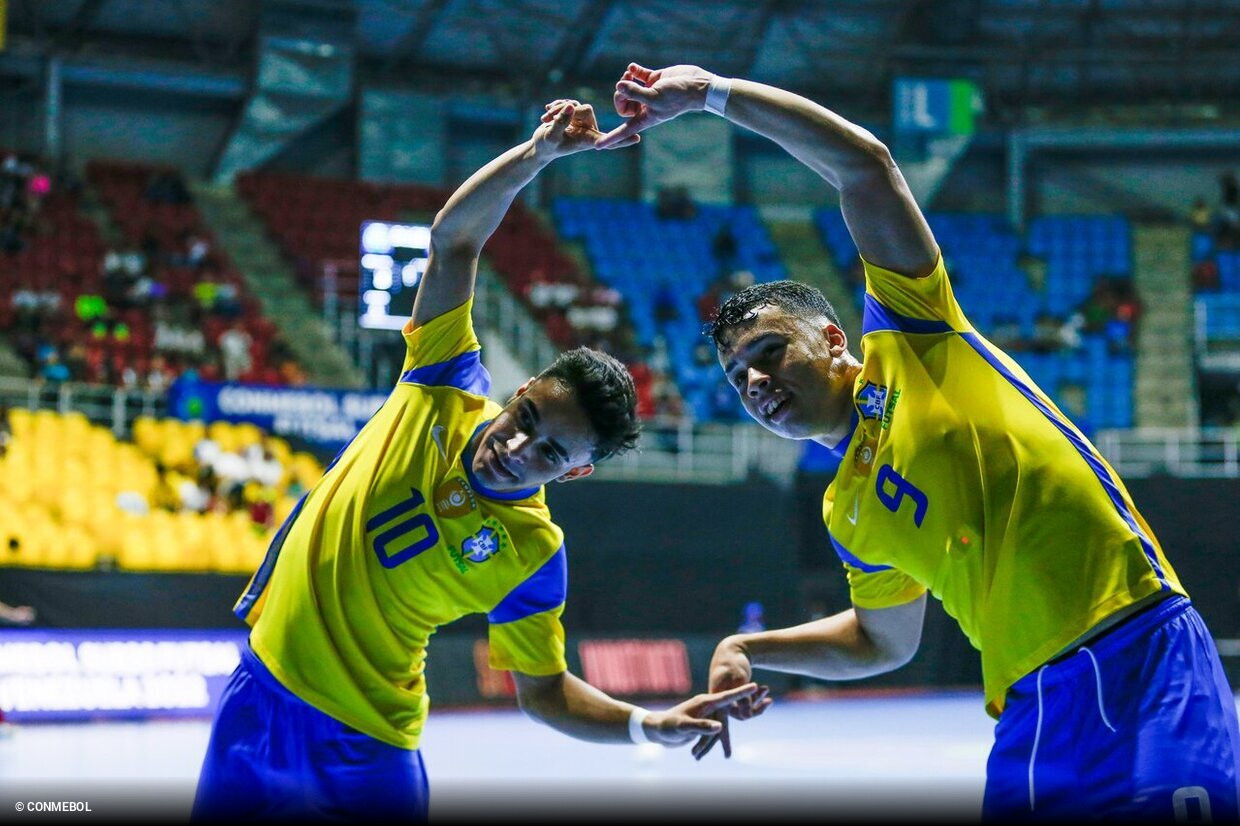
(842, 152)
(474, 211)
(578, 709)
(832, 648)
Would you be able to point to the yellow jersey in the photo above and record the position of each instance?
(961, 477)
(399, 538)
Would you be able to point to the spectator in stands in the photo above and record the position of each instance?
(665, 309)
(234, 346)
(199, 495)
(1128, 310)
(261, 506)
(672, 203)
(76, 362)
(1200, 217)
(1227, 217)
(643, 386)
(53, 370)
(164, 496)
(752, 619)
(724, 249)
(160, 375)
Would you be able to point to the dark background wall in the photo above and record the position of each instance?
(663, 560)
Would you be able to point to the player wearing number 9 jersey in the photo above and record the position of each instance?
(435, 510)
(959, 477)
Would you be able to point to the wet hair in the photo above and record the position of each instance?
(796, 299)
(605, 391)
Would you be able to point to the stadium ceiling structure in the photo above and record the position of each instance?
(1021, 52)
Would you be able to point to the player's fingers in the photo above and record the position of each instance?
(553, 109)
(704, 745)
(631, 90)
(561, 121)
(640, 72)
(762, 706)
(723, 699)
(622, 133)
(725, 737)
(694, 725)
(629, 141)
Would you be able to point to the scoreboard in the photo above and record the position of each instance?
(393, 262)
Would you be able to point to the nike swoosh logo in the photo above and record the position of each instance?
(852, 517)
(436, 435)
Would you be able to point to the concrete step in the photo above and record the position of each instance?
(273, 282)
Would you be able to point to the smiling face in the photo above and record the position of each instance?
(540, 436)
(793, 374)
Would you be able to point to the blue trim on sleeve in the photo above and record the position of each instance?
(878, 318)
(1082, 447)
(847, 557)
(467, 459)
(544, 590)
(263, 575)
(464, 372)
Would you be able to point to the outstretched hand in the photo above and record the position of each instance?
(645, 97)
(698, 716)
(569, 126)
(729, 667)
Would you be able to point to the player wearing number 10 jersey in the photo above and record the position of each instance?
(961, 478)
(434, 511)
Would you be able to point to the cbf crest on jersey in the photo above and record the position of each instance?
(871, 400)
(486, 543)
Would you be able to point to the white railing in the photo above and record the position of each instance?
(705, 453)
(1204, 453)
(1216, 353)
(497, 309)
(113, 407)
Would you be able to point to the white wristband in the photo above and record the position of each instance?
(717, 94)
(637, 731)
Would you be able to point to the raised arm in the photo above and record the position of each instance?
(882, 216)
(572, 706)
(473, 212)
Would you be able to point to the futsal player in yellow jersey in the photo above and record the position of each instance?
(959, 477)
(435, 510)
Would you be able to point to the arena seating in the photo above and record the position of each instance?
(316, 220)
(663, 267)
(994, 272)
(125, 188)
(1216, 273)
(73, 496)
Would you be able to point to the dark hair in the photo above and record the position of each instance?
(793, 297)
(605, 391)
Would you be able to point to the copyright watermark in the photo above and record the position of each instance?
(52, 806)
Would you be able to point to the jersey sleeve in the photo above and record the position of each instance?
(886, 588)
(444, 352)
(911, 305)
(525, 630)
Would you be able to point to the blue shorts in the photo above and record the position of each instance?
(273, 755)
(1138, 724)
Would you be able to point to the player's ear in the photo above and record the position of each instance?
(579, 472)
(836, 338)
(521, 390)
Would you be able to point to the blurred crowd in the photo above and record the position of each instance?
(158, 310)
